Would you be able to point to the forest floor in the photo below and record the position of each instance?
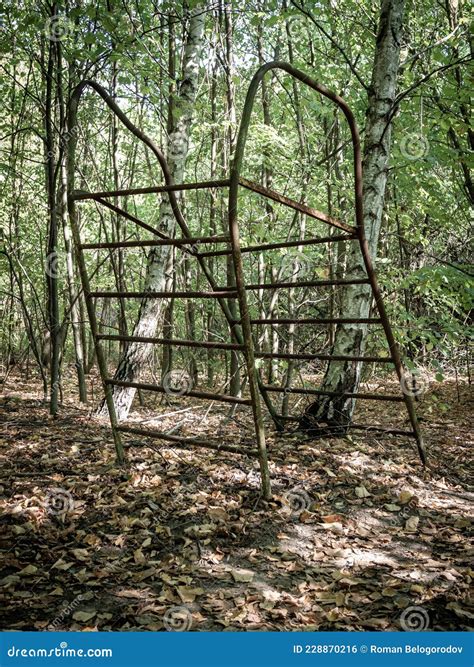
(357, 537)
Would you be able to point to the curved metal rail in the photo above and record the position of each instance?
(242, 327)
(236, 180)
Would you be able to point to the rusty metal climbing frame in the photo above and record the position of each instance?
(241, 327)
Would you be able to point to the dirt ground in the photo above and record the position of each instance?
(357, 537)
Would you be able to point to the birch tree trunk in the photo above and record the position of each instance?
(150, 312)
(356, 299)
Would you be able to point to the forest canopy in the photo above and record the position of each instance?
(135, 50)
(236, 285)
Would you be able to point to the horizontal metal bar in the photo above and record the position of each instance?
(186, 442)
(197, 240)
(205, 395)
(80, 195)
(130, 217)
(316, 320)
(362, 427)
(166, 295)
(303, 208)
(324, 357)
(393, 431)
(321, 392)
(172, 341)
(283, 244)
(304, 283)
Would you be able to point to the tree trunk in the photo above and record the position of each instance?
(52, 257)
(178, 142)
(356, 299)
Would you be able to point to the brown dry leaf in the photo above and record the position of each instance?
(405, 497)
(411, 524)
(332, 518)
(139, 557)
(459, 611)
(242, 576)
(84, 616)
(61, 565)
(188, 594)
(218, 514)
(140, 576)
(391, 507)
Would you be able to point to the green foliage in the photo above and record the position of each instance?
(427, 206)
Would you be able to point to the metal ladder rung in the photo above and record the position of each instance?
(197, 240)
(381, 429)
(79, 195)
(321, 392)
(316, 320)
(324, 357)
(185, 442)
(361, 427)
(283, 244)
(205, 395)
(305, 283)
(297, 206)
(172, 341)
(164, 295)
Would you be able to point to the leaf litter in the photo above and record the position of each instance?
(86, 545)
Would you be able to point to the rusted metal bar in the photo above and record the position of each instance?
(305, 283)
(321, 392)
(244, 337)
(324, 357)
(188, 442)
(162, 242)
(358, 196)
(79, 195)
(380, 429)
(318, 320)
(235, 176)
(394, 352)
(337, 99)
(72, 211)
(220, 294)
(283, 244)
(132, 218)
(172, 341)
(361, 427)
(302, 208)
(204, 395)
(169, 186)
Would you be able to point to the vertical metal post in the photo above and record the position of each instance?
(94, 330)
(72, 212)
(359, 214)
(247, 335)
(392, 344)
